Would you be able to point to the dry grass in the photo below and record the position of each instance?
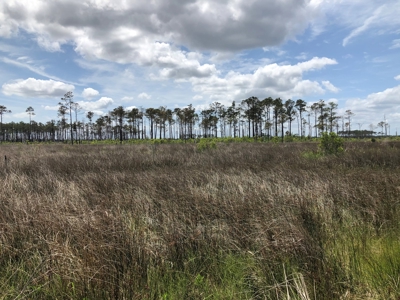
(243, 221)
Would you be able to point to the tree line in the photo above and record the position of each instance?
(251, 117)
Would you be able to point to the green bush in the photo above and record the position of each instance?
(206, 144)
(330, 143)
(289, 138)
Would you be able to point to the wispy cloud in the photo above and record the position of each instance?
(34, 69)
(365, 26)
(395, 44)
(330, 87)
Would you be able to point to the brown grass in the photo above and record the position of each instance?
(113, 222)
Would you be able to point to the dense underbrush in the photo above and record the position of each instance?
(227, 221)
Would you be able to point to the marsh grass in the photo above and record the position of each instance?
(167, 221)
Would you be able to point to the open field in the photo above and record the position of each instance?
(173, 221)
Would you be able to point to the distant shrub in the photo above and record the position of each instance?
(206, 144)
(289, 138)
(276, 140)
(373, 140)
(330, 143)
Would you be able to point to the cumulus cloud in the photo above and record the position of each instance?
(160, 33)
(152, 33)
(131, 33)
(144, 96)
(385, 102)
(202, 24)
(32, 87)
(128, 31)
(397, 77)
(273, 80)
(98, 105)
(173, 62)
(89, 93)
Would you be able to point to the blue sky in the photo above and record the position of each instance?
(175, 53)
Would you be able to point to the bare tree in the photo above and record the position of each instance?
(301, 107)
(76, 108)
(68, 103)
(120, 114)
(3, 110)
(348, 115)
(90, 115)
(30, 112)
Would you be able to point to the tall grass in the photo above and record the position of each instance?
(172, 221)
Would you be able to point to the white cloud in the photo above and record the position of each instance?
(395, 44)
(376, 105)
(301, 56)
(316, 63)
(357, 16)
(172, 62)
(334, 100)
(197, 97)
(203, 24)
(34, 88)
(54, 108)
(285, 81)
(24, 62)
(98, 112)
(94, 106)
(98, 105)
(130, 108)
(48, 44)
(127, 99)
(151, 33)
(89, 93)
(397, 77)
(330, 87)
(380, 16)
(367, 23)
(144, 96)
(159, 34)
(277, 50)
(22, 115)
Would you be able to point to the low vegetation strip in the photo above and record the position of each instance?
(220, 221)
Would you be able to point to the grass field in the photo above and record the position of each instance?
(175, 221)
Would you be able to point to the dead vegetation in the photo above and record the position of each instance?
(242, 221)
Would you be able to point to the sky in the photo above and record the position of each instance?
(178, 52)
